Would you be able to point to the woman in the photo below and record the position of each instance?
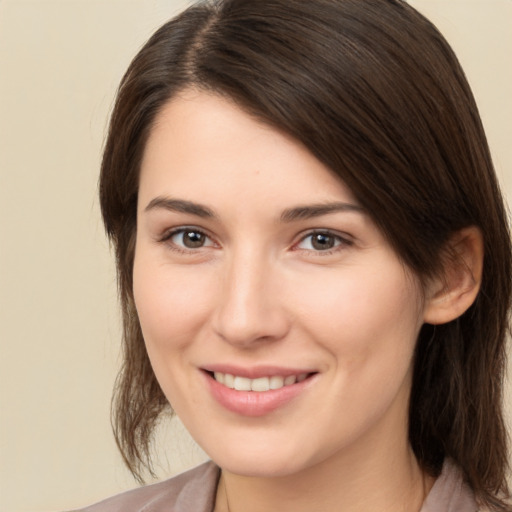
(313, 261)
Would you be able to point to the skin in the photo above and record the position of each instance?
(259, 292)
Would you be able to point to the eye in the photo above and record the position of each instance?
(189, 238)
(321, 241)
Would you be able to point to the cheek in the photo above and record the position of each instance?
(171, 304)
(368, 323)
(365, 317)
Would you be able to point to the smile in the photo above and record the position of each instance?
(260, 384)
(257, 392)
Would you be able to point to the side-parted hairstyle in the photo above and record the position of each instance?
(374, 91)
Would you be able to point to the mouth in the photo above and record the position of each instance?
(259, 394)
(257, 391)
(260, 384)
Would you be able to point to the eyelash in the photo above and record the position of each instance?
(168, 235)
(341, 242)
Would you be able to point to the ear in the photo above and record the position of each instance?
(452, 293)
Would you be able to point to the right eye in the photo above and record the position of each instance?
(188, 238)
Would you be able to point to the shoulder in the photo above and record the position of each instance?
(450, 493)
(192, 490)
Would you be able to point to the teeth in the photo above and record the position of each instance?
(291, 379)
(260, 384)
(242, 384)
(229, 380)
(276, 382)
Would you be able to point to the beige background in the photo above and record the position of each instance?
(60, 62)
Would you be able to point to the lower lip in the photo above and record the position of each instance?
(255, 403)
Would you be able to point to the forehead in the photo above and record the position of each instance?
(202, 144)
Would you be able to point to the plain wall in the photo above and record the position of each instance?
(60, 63)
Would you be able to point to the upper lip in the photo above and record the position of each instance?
(256, 372)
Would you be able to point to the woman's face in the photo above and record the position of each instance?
(255, 267)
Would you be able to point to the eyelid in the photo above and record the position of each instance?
(169, 233)
(344, 239)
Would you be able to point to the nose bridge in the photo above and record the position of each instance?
(249, 306)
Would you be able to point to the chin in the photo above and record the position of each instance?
(260, 469)
(261, 463)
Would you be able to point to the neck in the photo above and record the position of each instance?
(397, 486)
(371, 475)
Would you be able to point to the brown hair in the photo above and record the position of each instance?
(375, 92)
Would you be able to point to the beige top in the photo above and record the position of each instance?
(194, 491)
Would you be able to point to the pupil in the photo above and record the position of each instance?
(322, 242)
(193, 239)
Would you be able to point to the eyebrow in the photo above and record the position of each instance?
(317, 210)
(288, 215)
(181, 206)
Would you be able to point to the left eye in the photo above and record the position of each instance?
(190, 239)
(320, 242)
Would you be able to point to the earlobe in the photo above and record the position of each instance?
(455, 290)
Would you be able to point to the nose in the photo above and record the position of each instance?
(250, 310)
